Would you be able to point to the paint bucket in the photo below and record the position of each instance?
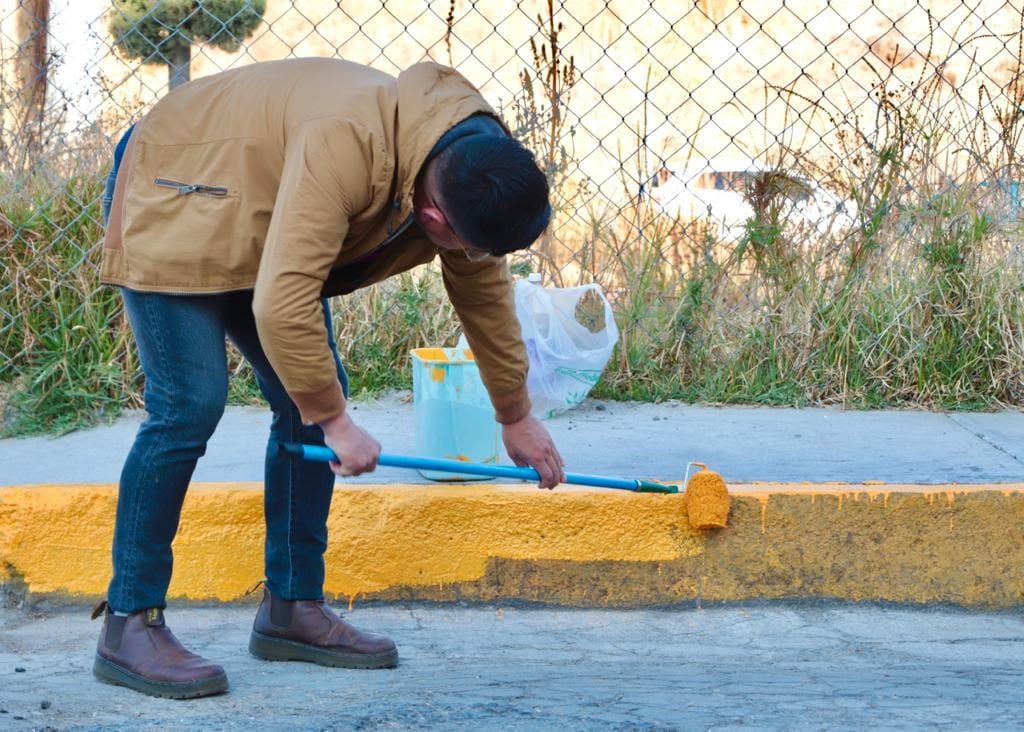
(454, 416)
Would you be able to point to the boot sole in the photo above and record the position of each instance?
(111, 673)
(279, 649)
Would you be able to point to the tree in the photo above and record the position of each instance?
(24, 72)
(163, 31)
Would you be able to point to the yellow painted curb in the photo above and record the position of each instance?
(927, 544)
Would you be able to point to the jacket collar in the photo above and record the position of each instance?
(432, 99)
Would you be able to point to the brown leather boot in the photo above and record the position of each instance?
(307, 630)
(139, 651)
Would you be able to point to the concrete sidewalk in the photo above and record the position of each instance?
(780, 667)
(656, 441)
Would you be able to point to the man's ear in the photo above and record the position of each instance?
(430, 215)
(433, 216)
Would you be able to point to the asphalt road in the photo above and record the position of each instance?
(777, 666)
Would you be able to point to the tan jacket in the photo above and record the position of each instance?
(287, 177)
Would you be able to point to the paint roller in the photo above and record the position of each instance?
(707, 498)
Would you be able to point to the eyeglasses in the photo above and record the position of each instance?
(473, 254)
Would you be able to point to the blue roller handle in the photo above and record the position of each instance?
(322, 454)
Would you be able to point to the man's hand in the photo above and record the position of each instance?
(528, 443)
(355, 446)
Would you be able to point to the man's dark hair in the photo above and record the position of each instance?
(495, 194)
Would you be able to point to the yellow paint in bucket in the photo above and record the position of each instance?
(431, 354)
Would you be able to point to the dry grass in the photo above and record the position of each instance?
(919, 303)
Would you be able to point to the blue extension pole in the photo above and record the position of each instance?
(319, 453)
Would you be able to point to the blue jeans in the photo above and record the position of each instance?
(108, 191)
(183, 352)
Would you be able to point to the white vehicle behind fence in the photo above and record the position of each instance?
(719, 190)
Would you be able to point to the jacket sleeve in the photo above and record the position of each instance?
(326, 176)
(482, 295)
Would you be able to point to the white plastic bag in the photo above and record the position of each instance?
(569, 334)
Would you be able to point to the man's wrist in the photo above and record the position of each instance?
(516, 423)
(336, 424)
(511, 406)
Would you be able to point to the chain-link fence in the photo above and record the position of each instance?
(787, 202)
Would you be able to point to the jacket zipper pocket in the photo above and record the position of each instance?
(185, 188)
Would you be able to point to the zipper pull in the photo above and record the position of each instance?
(210, 190)
(184, 189)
